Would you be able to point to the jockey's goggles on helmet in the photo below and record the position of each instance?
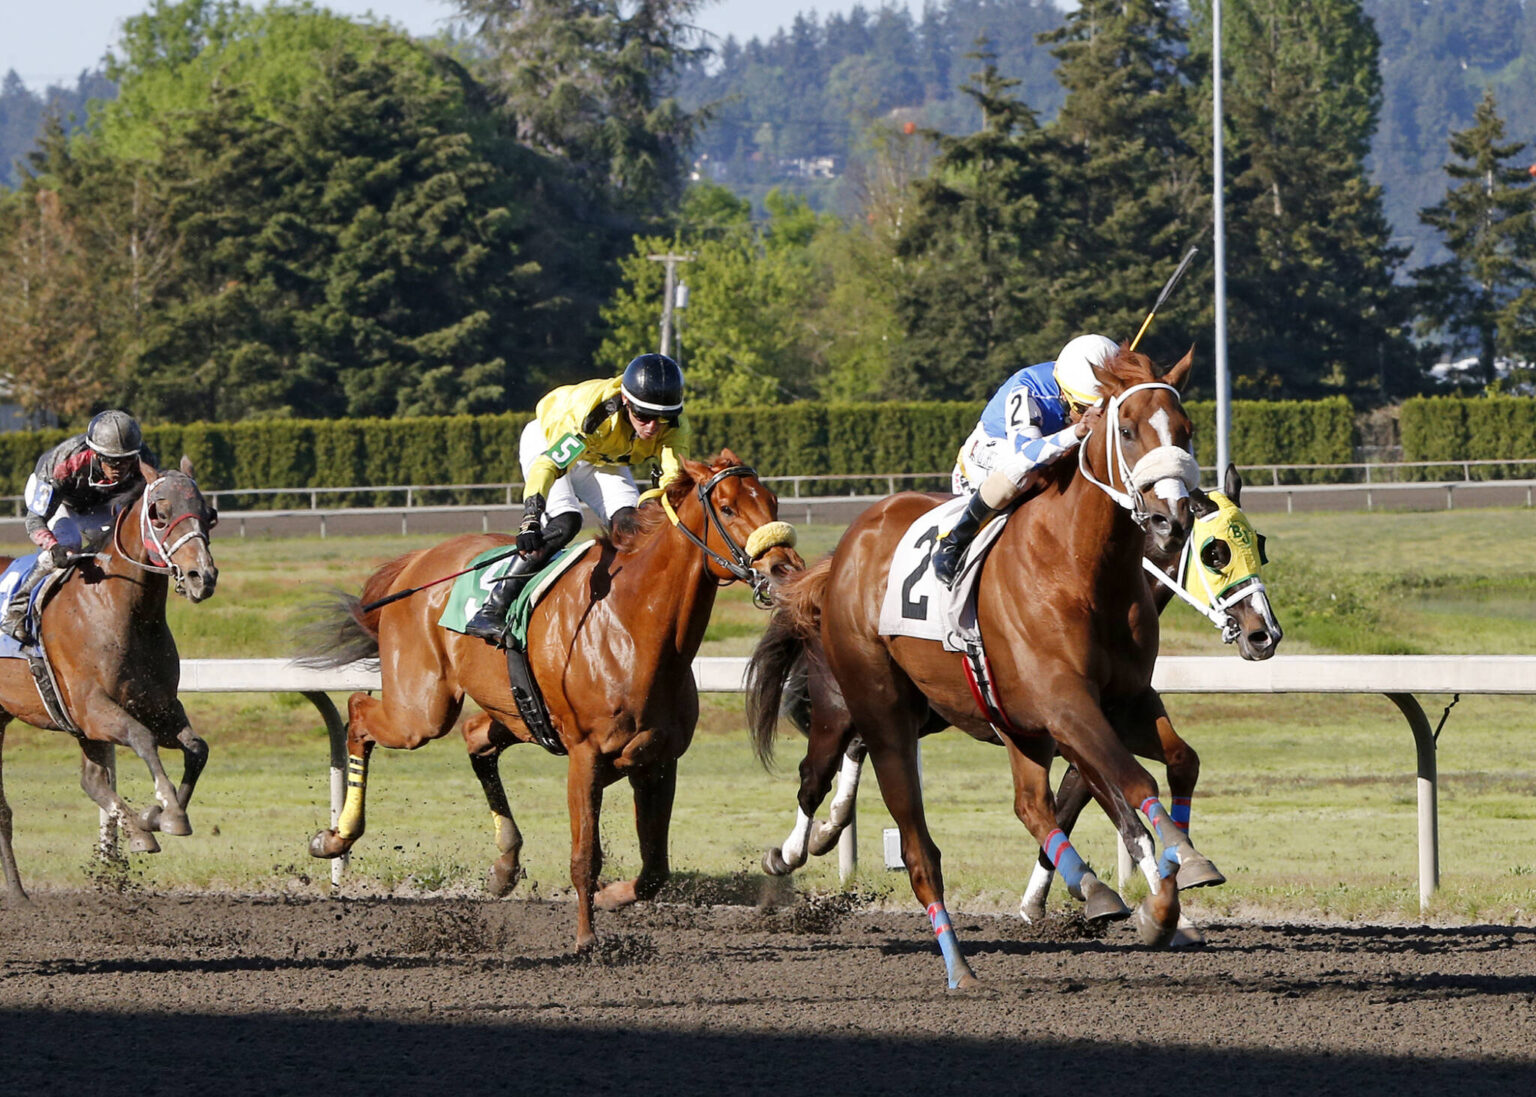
(118, 467)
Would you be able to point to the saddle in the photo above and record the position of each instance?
(36, 653)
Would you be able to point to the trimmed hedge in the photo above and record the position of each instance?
(1450, 428)
(796, 439)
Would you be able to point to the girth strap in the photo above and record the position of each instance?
(978, 675)
(530, 702)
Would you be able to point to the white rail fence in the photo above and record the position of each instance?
(1400, 678)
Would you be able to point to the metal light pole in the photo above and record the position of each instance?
(1223, 383)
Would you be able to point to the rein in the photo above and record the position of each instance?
(1155, 466)
(160, 554)
(765, 537)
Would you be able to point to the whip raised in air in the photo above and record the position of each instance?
(1167, 289)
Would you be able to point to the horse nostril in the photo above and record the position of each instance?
(1259, 638)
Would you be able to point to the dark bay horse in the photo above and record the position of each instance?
(1229, 589)
(611, 647)
(115, 659)
(1071, 629)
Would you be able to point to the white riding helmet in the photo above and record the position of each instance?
(1074, 368)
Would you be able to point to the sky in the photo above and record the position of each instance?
(52, 42)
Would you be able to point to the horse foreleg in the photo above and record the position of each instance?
(96, 780)
(106, 721)
(352, 821)
(485, 760)
(654, 793)
(584, 799)
(1041, 813)
(13, 886)
(194, 754)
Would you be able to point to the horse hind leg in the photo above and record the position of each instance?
(351, 822)
(826, 834)
(654, 793)
(483, 742)
(14, 891)
(829, 746)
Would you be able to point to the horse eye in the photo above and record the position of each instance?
(1216, 555)
(1125, 432)
(729, 512)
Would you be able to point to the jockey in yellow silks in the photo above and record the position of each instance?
(579, 449)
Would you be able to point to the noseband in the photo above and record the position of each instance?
(1163, 463)
(765, 537)
(160, 554)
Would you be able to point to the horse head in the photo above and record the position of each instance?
(174, 524)
(1140, 453)
(1223, 562)
(741, 534)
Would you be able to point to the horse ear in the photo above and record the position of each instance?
(1232, 484)
(729, 459)
(186, 467)
(1178, 373)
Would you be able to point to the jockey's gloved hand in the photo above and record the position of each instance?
(530, 535)
(53, 557)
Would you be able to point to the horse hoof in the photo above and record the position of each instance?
(502, 879)
(1187, 935)
(615, 896)
(1198, 872)
(1153, 933)
(1032, 912)
(774, 863)
(142, 842)
(967, 981)
(174, 823)
(327, 843)
(1102, 903)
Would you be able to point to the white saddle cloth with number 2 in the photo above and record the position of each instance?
(918, 605)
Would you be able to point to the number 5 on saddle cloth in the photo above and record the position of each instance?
(473, 587)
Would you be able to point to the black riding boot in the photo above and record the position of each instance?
(952, 545)
(490, 620)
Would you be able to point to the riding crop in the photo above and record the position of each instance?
(1161, 297)
(369, 607)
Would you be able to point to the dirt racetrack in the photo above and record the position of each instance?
(219, 994)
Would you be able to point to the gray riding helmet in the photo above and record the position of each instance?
(114, 433)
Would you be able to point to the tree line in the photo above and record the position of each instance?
(289, 213)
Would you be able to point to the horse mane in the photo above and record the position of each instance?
(1126, 368)
(649, 517)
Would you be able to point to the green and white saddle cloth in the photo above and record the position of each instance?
(471, 589)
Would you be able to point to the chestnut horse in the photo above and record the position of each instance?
(611, 646)
(115, 660)
(1241, 610)
(1071, 629)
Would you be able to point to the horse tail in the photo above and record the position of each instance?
(779, 661)
(338, 632)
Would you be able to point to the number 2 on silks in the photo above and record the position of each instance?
(566, 449)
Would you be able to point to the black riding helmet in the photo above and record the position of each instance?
(653, 384)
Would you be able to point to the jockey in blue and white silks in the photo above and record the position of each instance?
(1037, 416)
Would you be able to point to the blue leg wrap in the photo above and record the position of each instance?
(1167, 830)
(1180, 812)
(1066, 859)
(949, 945)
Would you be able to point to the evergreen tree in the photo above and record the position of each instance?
(1312, 302)
(1132, 196)
(977, 252)
(589, 80)
(1484, 296)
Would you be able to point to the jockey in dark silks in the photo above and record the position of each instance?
(70, 498)
(578, 450)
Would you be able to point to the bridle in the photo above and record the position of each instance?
(161, 555)
(739, 566)
(1165, 463)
